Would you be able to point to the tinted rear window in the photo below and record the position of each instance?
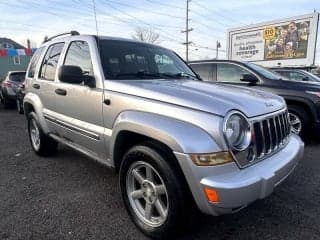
(17, 77)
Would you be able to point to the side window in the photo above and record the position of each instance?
(50, 62)
(78, 54)
(33, 63)
(230, 72)
(296, 76)
(204, 70)
(285, 74)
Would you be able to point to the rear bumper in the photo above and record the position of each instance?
(239, 187)
(9, 94)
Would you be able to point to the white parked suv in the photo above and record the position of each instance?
(174, 139)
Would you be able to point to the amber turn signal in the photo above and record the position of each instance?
(211, 159)
(212, 195)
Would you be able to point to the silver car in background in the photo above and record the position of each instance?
(9, 87)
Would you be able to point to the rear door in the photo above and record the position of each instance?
(44, 84)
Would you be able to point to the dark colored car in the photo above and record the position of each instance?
(9, 87)
(302, 97)
(21, 92)
(296, 74)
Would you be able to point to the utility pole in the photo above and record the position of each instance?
(217, 49)
(186, 31)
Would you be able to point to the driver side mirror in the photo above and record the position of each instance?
(74, 75)
(249, 78)
(305, 79)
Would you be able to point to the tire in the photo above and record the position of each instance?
(7, 104)
(41, 144)
(297, 114)
(173, 197)
(19, 107)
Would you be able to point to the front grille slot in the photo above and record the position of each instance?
(270, 134)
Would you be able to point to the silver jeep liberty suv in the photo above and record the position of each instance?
(176, 141)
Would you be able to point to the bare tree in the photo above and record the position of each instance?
(146, 35)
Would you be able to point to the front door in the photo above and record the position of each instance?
(79, 107)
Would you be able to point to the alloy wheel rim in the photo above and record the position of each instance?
(147, 194)
(295, 122)
(35, 134)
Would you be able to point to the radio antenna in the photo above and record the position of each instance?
(95, 16)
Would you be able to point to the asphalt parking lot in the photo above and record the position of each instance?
(70, 196)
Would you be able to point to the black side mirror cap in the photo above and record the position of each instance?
(249, 78)
(305, 79)
(70, 74)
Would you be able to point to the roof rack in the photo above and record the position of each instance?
(72, 33)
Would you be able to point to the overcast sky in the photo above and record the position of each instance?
(210, 20)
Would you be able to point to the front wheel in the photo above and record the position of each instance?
(152, 191)
(299, 120)
(42, 144)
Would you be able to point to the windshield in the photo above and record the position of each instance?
(132, 60)
(265, 72)
(312, 76)
(17, 77)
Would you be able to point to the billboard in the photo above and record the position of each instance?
(287, 42)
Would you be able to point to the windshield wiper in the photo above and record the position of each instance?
(139, 74)
(184, 74)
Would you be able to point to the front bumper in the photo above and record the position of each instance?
(238, 187)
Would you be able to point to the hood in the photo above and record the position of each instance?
(203, 96)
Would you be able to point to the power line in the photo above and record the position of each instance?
(165, 4)
(168, 35)
(153, 12)
(218, 13)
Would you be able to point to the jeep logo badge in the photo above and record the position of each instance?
(268, 104)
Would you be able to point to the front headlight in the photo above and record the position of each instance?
(237, 131)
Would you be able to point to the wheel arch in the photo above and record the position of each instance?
(32, 103)
(174, 135)
(305, 104)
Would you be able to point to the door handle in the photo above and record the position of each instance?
(61, 92)
(36, 86)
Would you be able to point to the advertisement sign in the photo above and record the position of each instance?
(287, 42)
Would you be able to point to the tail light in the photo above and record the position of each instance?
(7, 84)
(23, 84)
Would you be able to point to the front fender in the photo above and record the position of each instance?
(35, 102)
(178, 135)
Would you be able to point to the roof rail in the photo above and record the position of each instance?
(72, 33)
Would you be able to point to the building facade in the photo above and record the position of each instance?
(13, 56)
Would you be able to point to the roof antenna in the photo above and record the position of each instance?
(95, 16)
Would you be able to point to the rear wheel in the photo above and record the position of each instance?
(299, 120)
(42, 144)
(152, 192)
